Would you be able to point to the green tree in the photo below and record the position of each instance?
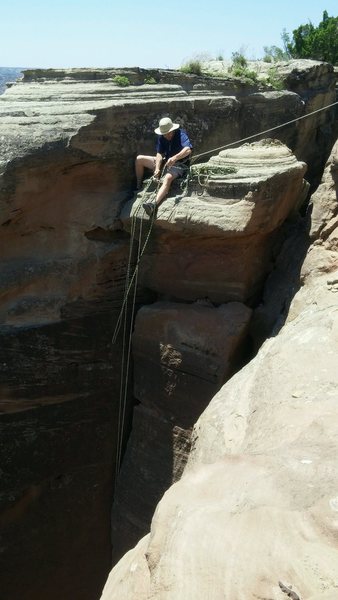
(275, 53)
(318, 43)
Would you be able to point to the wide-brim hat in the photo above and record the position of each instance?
(166, 126)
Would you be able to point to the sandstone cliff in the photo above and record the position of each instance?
(66, 165)
(213, 246)
(254, 515)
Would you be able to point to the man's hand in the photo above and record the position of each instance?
(157, 173)
(171, 161)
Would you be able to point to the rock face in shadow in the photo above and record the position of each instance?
(56, 494)
(254, 514)
(61, 288)
(182, 355)
(62, 282)
(66, 168)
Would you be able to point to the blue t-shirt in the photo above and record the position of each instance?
(171, 147)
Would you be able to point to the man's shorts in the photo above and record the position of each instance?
(178, 170)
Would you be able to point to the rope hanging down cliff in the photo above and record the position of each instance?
(131, 282)
(194, 158)
(130, 285)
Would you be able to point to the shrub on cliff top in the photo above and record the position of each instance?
(121, 80)
(150, 81)
(239, 68)
(192, 66)
(274, 79)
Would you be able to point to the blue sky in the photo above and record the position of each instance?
(127, 33)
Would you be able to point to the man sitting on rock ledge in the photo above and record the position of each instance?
(173, 147)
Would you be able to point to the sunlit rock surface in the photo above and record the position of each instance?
(183, 353)
(216, 238)
(311, 80)
(255, 513)
(68, 143)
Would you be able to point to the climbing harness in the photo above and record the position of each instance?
(201, 174)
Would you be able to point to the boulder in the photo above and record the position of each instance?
(216, 238)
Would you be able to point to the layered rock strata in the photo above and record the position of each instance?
(208, 246)
(308, 80)
(254, 514)
(69, 139)
(215, 239)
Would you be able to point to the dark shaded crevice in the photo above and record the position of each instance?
(282, 283)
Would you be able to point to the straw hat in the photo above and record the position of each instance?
(165, 126)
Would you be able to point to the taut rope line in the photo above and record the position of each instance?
(133, 280)
(251, 137)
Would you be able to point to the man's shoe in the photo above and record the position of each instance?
(149, 207)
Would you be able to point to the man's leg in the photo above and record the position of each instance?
(143, 162)
(151, 206)
(165, 187)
